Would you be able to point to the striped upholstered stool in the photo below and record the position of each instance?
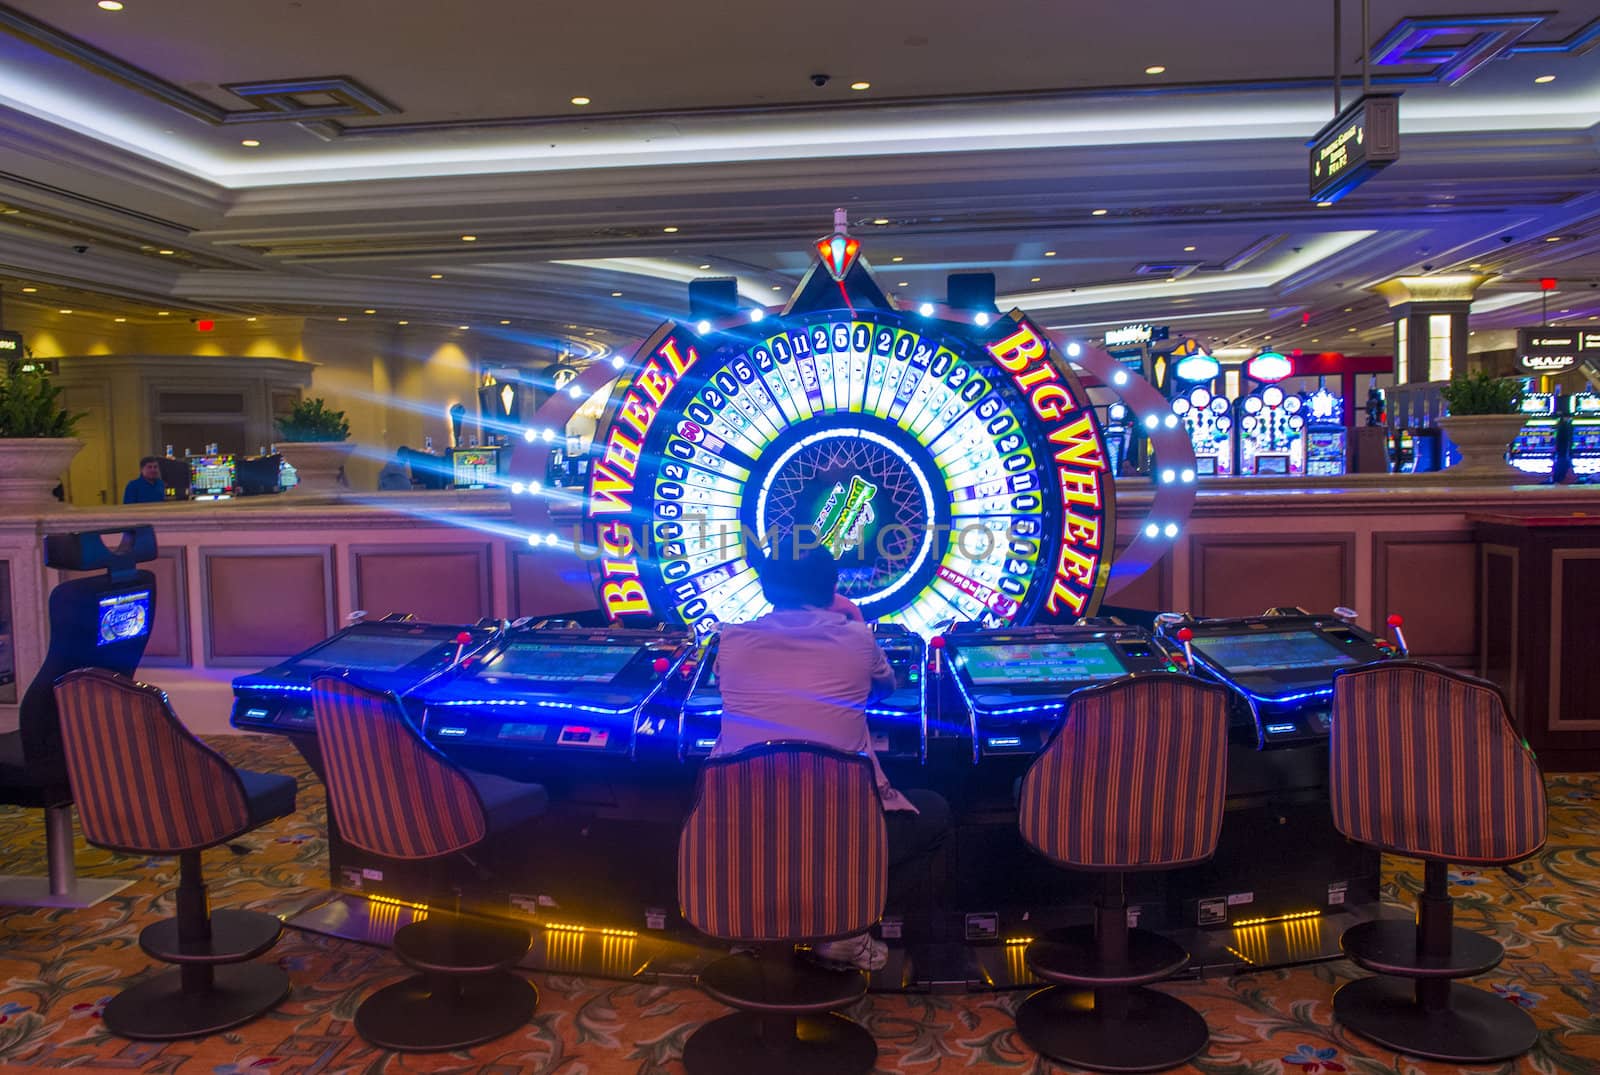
(1425, 764)
(1132, 780)
(393, 795)
(146, 786)
(785, 844)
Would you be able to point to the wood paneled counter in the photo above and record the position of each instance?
(244, 583)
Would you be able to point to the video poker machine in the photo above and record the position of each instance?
(1272, 437)
(897, 723)
(1537, 449)
(395, 654)
(1583, 437)
(540, 697)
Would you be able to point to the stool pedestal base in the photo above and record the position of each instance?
(1475, 1027)
(431, 1013)
(160, 1009)
(1155, 1033)
(746, 1042)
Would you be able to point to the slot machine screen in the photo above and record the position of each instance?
(370, 652)
(1272, 464)
(123, 616)
(1045, 662)
(474, 468)
(211, 477)
(1205, 466)
(554, 663)
(1272, 651)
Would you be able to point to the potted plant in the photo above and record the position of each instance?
(316, 442)
(36, 436)
(1485, 417)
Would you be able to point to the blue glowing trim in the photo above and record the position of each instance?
(1320, 692)
(271, 688)
(1282, 729)
(497, 703)
(704, 744)
(1004, 741)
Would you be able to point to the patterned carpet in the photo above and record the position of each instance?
(60, 967)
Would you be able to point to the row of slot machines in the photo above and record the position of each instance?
(220, 476)
(538, 689)
(1269, 432)
(1560, 439)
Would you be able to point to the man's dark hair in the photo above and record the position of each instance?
(147, 460)
(795, 575)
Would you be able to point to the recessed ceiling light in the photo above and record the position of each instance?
(251, 142)
(109, 5)
(1552, 238)
(705, 266)
(469, 238)
(777, 287)
(1324, 205)
(1155, 69)
(589, 333)
(436, 276)
(344, 319)
(463, 328)
(1049, 253)
(1316, 339)
(861, 85)
(162, 313)
(29, 290)
(616, 294)
(1475, 265)
(669, 229)
(1541, 80)
(572, 326)
(903, 283)
(881, 220)
(1352, 328)
(897, 257)
(119, 320)
(505, 322)
(63, 311)
(1098, 212)
(1347, 309)
(166, 253)
(580, 101)
(1033, 279)
(1188, 250)
(249, 319)
(402, 322)
(369, 311)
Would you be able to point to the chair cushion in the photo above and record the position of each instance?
(267, 795)
(507, 803)
(25, 785)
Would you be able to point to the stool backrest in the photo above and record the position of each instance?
(1424, 762)
(786, 841)
(391, 793)
(142, 781)
(1133, 778)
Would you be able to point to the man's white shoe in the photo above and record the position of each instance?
(861, 952)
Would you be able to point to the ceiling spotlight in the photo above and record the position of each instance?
(344, 319)
(119, 320)
(166, 253)
(436, 276)
(580, 101)
(402, 322)
(505, 322)
(63, 311)
(1155, 69)
(29, 290)
(369, 311)
(1049, 253)
(1324, 205)
(251, 142)
(162, 313)
(1033, 279)
(1098, 212)
(777, 287)
(1552, 238)
(469, 238)
(589, 332)
(463, 328)
(1188, 250)
(1541, 80)
(881, 220)
(616, 294)
(903, 283)
(669, 229)
(705, 266)
(249, 319)
(109, 5)
(860, 86)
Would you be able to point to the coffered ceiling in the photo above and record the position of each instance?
(1024, 137)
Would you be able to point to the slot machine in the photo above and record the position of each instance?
(475, 468)
(1272, 437)
(1209, 422)
(1583, 437)
(1537, 449)
(1326, 436)
(212, 477)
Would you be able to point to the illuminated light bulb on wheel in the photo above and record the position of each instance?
(516, 488)
(702, 327)
(529, 435)
(1169, 475)
(617, 362)
(549, 435)
(534, 540)
(926, 309)
(1120, 377)
(1188, 475)
(1171, 421)
(757, 314)
(1151, 421)
(1172, 530)
(1074, 350)
(1152, 530)
(981, 318)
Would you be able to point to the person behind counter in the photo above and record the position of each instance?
(147, 488)
(806, 670)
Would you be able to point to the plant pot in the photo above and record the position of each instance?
(317, 462)
(1483, 440)
(31, 467)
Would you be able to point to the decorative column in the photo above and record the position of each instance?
(1430, 324)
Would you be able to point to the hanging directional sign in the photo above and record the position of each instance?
(1553, 350)
(10, 345)
(1362, 140)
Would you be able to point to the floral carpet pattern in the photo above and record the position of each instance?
(59, 967)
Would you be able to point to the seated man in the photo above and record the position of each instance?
(805, 671)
